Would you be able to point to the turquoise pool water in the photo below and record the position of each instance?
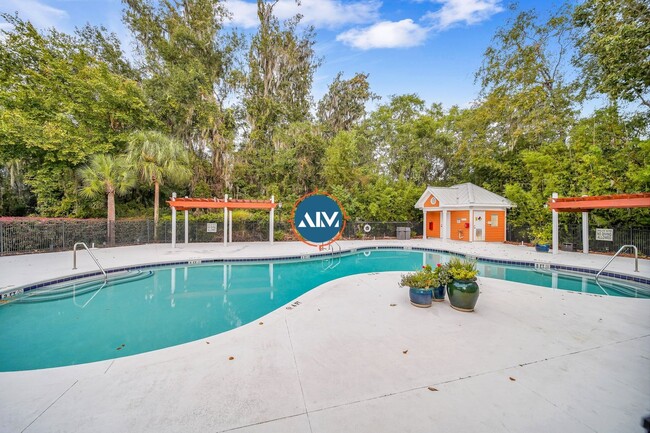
(150, 310)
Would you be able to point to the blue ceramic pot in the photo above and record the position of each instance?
(420, 297)
(463, 294)
(439, 294)
(542, 248)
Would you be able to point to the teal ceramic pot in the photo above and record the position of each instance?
(439, 294)
(420, 297)
(463, 294)
(542, 248)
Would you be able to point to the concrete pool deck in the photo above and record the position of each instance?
(354, 355)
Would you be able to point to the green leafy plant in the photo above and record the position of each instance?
(427, 277)
(542, 235)
(462, 269)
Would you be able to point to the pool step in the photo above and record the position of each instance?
(608, 285)
(81, 287)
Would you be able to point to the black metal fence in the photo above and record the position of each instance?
(570, 238)
(26, 236)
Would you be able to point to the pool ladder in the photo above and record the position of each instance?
(331, 262)
(74, 258)
(620, 250)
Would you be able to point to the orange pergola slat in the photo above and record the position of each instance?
(614, 201)
(215, 203)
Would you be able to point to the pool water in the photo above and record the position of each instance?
(169, 306)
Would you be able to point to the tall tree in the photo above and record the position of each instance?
(189, 61)
(523, 79)
(613, 48)
(344, 104)
(276, 94)
(158, 158)
(107, 176)
(281, 65)
(62, 102)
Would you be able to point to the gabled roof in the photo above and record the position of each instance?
(464, 195)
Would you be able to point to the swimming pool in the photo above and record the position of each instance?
(150, 309)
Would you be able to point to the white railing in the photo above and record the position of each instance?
(74, 258)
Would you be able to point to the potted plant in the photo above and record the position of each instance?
(463, 289)
(422, 283)
(442, 278)
(542, 239)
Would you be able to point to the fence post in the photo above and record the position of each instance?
(63, 234)
(2, 240)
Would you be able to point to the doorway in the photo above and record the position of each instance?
(479, 225)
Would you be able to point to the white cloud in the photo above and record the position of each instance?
(319, 13)
(39, 14)
(463, 11)
(385, 34)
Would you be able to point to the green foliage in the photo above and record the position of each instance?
(542, 235)
(613, 48)
(426, 278)
(62, 101)
(191, 70)
(65, 99)
(344, 104)
(462, 269)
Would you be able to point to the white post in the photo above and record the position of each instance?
(556, 225)
(230, 226)
(225, 222)
(187, 227)
(471, 225)
(585, 232)
(271, 220)
(173, 227)
(424, 224)
(443, 232)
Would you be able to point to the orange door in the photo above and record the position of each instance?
(433, 224)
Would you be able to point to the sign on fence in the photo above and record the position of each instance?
(605, 235)
(212, 227)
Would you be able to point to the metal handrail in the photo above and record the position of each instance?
(331, 264)
(74, 258)
(636, 260)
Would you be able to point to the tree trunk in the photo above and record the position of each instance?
(156, 193)
(111, 219)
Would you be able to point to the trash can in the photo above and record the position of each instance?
(567, 246)
(403, 233)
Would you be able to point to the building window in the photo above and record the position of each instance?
(494, 220)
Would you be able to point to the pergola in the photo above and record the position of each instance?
(585, 204)
(185, 204)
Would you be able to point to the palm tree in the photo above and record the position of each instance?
(158, 158)
(107, 175)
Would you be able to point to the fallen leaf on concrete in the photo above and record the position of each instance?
(393, 305)
(432, 389)
(512, 378)
(405, 351)
(207, 342)
(231, 358)
(261, 323)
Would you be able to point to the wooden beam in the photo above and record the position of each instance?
(563, 205)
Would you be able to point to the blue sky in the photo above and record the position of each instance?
(428, 47)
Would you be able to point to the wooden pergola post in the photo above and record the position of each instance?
(585, 204)
(227, 204)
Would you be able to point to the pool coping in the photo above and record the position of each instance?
(6, 294)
